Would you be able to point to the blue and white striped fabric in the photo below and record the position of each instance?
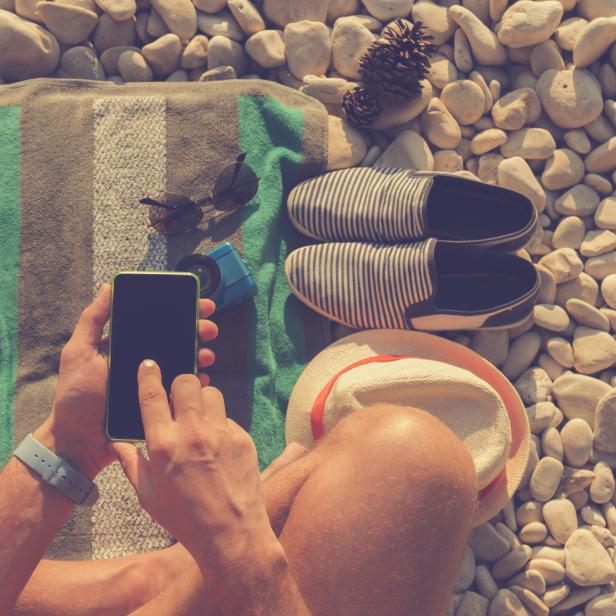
(362, 285)
(362, 204)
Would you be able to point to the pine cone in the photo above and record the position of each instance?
(395, 64)
(361, 106)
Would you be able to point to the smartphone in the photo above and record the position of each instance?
(154, 315)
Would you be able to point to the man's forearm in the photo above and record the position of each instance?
(31, 513)
(261, 586)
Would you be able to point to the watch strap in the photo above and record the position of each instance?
(56, 471)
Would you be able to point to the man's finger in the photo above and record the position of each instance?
(208, 330)
(89, 328)
(206, 308)
(186, 397)
(135, 467)
(213, 404)
(155, 411)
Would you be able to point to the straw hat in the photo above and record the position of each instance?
(428, 372)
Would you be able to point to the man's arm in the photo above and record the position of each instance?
(201, 482)
(32, 512)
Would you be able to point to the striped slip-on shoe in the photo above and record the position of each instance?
(429, 285)
(394, 206)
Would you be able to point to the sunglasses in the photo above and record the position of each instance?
(235, 186)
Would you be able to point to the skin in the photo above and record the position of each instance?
(361, 524)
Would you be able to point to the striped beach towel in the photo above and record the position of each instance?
(75, 157)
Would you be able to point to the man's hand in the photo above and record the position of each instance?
(201, 481)
(75, 427)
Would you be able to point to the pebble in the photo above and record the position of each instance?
(576, 598)
(210, 6)
(563, 169)
(487, 140)
(467, 570)
(534, 385)
(561, 518)
(529, 143)
(179, 16)
(283, 12)
(551, 571)
(267, 48)
(550, 317)
(575, 481)
(326, 89)
(515, 174)
(346, 145)
(403, 112)
(222, 24)
(464, 99)
(577, 395)
(587, 562)
(534, 532)
(581, 200)
(111, 33)
(194, 54)
(540, 415)
(442, 71)
(530, 511)
(472, 604)
(521, 354)
(516, 109)
(71, 25)
(605, 215)
(551, 445)
(26, 49)
(511, 563)
(388, 10)
(408, 150)
(223, 51)
(487, 544)
(570, 97)
(602, 605)
(542, 552)
(577, 140)
(587, 315)
(530, 579)
(605, 423)
(556, 594)
(598, 242)
(506, 603)
(603, 158)
(109, 58)
(448, 161)
(546, 56)
(491, 345)
(439, 126)
(545, 479)
(593, 350)
(594, 40)
(485, 46)
(118, 9)
(132, 66)
(598, 183)
(576, 436)
(547, 289)
(602, 266)
(436, 20)
(530, 601)
(592, 516)
(527, 23)
(220, 73)
(602, 488)
(563, 263)
(163, 54)
(246, 15)
(308, 48)
(80, 63)
(569, 31)
(350, 40)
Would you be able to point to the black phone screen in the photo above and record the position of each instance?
(153, 316)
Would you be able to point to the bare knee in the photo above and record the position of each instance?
(418, 445)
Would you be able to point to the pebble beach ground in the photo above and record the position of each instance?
(520, 94)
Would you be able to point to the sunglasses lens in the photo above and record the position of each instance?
(235, 187)
(180, 215)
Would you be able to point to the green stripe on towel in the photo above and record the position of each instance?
(10, 153)
(277, 345)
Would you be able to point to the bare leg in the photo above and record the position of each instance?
(374, 519)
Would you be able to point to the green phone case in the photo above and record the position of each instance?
(111, 334)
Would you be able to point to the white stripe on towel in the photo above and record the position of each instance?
(129, 163)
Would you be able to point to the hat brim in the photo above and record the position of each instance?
(426, 346)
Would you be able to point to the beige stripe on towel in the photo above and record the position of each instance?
(129, 163)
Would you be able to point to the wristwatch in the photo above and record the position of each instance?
(57, 471)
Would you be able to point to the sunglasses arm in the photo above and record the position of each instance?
(148, 201)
